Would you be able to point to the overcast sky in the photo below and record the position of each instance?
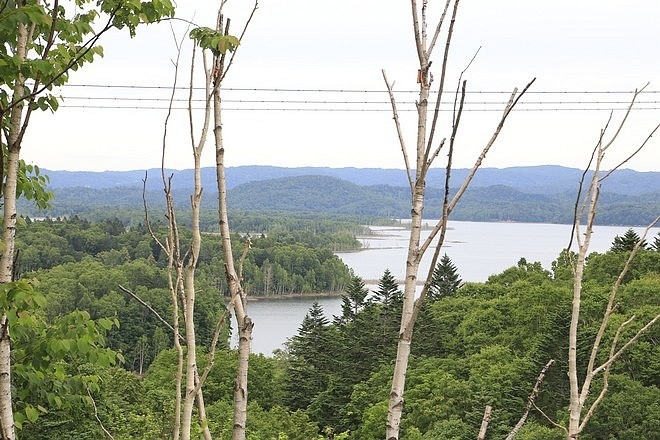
(294, 48)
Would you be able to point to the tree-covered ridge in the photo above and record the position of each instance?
(545, 179)
(326, 195)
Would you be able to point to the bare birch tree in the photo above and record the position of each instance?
(220, 42)
(181, 270)
(585, 211)
(427, 149)
(181, 273)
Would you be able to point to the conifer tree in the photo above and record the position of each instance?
(388, 293)
(353, 300)
(627, 242)
(445, 281)
(309, 351)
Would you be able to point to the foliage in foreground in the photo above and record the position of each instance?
(477, 344)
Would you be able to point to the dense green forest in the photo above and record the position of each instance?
(476, 344)
(80, 266)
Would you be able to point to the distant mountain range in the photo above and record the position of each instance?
(546, 179)
(524, 194)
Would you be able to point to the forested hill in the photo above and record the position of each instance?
(331, 195)
(547, 179)
(481, 203)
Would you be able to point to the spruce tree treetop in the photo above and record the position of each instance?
(388, 292)
(445, 281)
(353, 300)
(627, 242)
(656, 242)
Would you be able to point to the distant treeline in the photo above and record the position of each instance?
(329, 196)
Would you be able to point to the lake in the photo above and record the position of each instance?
(478, 250)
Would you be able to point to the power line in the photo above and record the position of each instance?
(341, 100)
(365, 110)
(309, 101)
(319, 90)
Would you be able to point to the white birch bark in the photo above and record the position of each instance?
(578, 393)
(9, 239)
(244, 323)
(426, 152)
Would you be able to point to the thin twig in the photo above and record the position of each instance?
(247, 23)
(399, 131)
(552, 422)
(530, 400)
(96, 416)
(151, 309)
(631, 155)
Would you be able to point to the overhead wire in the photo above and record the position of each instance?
(341, 100)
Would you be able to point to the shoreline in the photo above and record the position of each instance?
(293, 296)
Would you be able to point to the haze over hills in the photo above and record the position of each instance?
(523, 194)
(546, 179)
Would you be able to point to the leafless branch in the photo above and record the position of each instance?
(151, 309)
(460, 81)
(513, 100)
(442, 224)
(577, 215)
(443, 73)
(96, 416)
(214, 343)
(606, 377)
(436, 34)
(627, 344)
(147, 221)
(648, 138)
(418, 37)
(247, 23)
(625, 117)
(484, 423)
(399, 131)
(530, 400)
(610, 303)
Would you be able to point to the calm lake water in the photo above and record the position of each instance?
(477, 249)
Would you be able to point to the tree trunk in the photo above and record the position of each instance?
(395, 407)
(243, 321)
(189, 287)
(9, 240)
(191, 359)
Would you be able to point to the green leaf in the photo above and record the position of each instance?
(31, 413)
